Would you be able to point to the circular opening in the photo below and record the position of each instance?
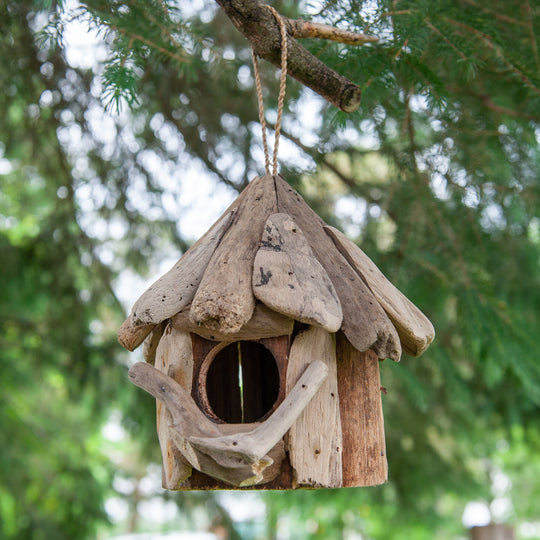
(242, 382)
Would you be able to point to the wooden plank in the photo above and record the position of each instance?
(222, 386)
(174, 357)
(288, 278)
(249, 447)
(314, 440)
(174, 290)
(364, 321)
(362, 423)
(414, 329)
(224, 300)
(260, 381)
(264, 323)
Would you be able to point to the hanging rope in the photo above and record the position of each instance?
(282, 88)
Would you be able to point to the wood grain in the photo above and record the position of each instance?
(224, 301)
(288, 278)
(314, 440)
(362, 423)
(365, 323)
(414, 329)
(174, 357)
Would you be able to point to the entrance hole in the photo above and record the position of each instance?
(242, 382)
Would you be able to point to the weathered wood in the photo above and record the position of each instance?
(241, 475)
(131, 336)
(174, 357)
(175, 289)
(151, 342)
(365, 323)
(189, 424)
(250, 447)
(243, 478)
(364, 450)
(224, 300)
(283, 480)
(188, 419)
(493, 531)
(264, 323)
(288, 278)
(314, 440)
(414, 329)
(261, 379)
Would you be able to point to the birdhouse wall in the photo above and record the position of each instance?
(314, 441)
(362, 423)
(174, 357)
(338, 439)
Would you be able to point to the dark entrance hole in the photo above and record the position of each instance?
(242, 383)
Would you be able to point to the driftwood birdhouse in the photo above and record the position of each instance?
(262, 346)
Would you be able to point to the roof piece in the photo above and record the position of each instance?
(271, 225)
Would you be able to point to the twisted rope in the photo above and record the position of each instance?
(281, 96)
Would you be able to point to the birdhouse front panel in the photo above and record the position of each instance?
(262, 347)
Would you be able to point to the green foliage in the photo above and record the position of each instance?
(441, 164)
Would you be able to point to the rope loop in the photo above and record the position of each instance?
(281, 96)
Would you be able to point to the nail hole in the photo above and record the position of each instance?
(303, 386)
(235, 443)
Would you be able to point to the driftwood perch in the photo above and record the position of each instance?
(195, 434)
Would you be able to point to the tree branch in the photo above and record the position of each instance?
(306, 29)
(260, 27)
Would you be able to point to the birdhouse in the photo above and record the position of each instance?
(262, 345)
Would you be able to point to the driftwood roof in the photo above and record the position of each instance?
(269, 260)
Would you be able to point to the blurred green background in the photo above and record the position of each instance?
(127, 127)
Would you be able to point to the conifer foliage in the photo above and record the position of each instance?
(440, 164)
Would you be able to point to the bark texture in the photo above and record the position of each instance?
(260, 27)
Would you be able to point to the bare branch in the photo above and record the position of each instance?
(260, 27)
(306, 29)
